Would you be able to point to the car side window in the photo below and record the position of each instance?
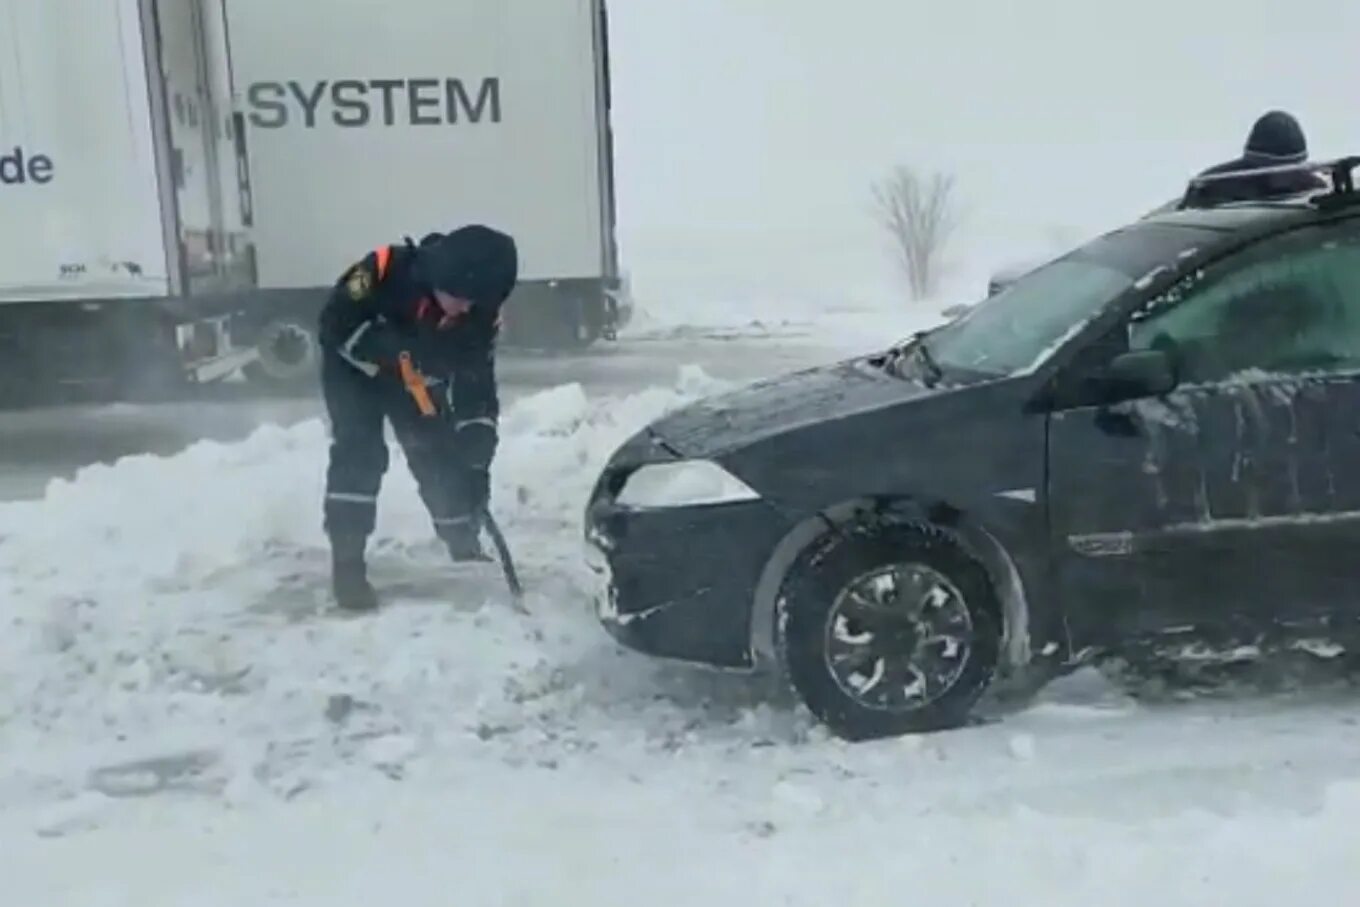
(1287, 306)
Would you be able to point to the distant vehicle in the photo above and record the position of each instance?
(372, 122)
(181, 182)
(122, 229)
(1146, 446)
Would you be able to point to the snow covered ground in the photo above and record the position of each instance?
(180, 725)
(858, 321)
(39, 445)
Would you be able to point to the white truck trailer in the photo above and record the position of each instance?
(370, 120)
(182, 180)
(123, 242)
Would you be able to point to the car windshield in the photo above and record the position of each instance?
(1020, 325)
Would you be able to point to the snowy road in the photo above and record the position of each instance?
(41, 445)
(179, 725)
(1076, 806)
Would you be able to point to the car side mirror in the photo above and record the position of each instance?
(1145, 373)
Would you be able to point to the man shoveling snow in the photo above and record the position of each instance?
(408, 335)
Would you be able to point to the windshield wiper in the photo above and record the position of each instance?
(913, 345)
(934, 374)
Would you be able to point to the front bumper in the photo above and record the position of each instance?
(680, 582)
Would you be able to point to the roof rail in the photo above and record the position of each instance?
(1339, 172)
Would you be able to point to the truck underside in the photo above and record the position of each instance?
(112, 349)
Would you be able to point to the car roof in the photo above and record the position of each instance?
(1240, 217)
(1174, 237)
(1185, 232)
(1193, 228)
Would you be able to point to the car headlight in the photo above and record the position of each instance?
(686, 483)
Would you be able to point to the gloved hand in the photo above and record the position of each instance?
(477, 440)
(382, 345)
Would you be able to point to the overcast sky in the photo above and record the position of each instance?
(749, 131)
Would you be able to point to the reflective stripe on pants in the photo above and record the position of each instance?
(358, 408)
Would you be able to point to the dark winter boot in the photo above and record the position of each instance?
(349, 576)
(464, 543)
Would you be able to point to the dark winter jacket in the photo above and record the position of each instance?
(1276, 140)
(383, 306)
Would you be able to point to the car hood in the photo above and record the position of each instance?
(725, 422)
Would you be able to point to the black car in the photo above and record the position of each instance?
(1152, 439)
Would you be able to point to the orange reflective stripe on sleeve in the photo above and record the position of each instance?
(384, 254)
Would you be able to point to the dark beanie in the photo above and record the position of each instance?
(474, 262)
(1277, 136)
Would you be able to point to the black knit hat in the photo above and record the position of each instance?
(474, 262)
(1277, 137)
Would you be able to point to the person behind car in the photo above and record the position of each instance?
(1276, 140)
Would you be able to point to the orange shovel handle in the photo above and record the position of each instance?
(415, 385)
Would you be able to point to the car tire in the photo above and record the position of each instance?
(826, 607)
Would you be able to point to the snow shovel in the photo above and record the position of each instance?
(507, 562)
(417, 389)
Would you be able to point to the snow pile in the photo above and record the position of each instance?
(167, 687)
(163, 623)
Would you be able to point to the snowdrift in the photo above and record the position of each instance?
(168, 687)
(167, 612)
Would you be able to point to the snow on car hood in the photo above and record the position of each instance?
(774, 406)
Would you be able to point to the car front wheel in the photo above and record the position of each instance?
(888, 630)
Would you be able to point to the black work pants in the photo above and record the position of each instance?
(357, 406)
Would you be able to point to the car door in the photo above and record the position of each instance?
(1233, 501)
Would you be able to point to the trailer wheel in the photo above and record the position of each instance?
(288, 354)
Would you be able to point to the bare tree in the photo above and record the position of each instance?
(920, 216)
